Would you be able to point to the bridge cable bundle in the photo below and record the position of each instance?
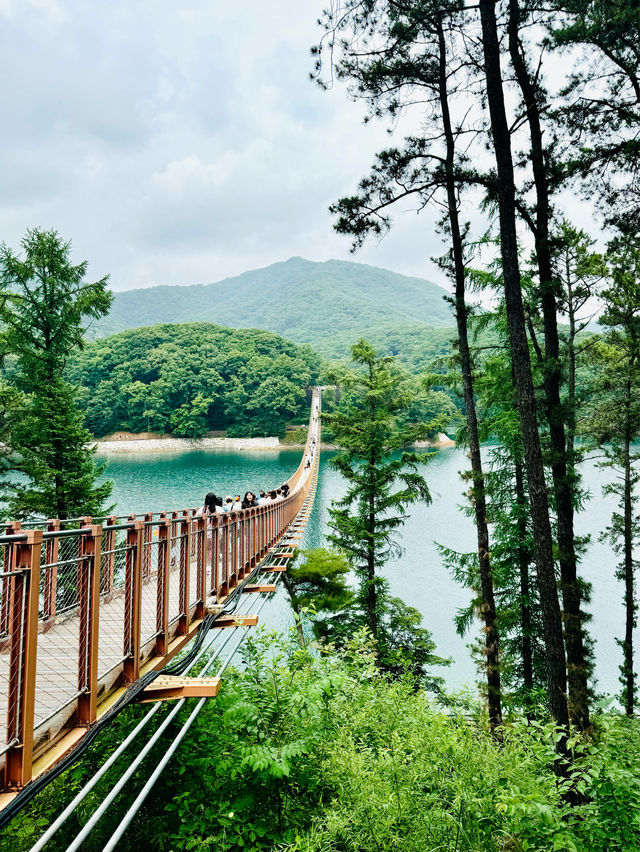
(130, 696)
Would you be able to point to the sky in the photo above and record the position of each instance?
(181, 141)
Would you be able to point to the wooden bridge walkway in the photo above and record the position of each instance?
(84, 612)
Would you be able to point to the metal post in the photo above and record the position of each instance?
(89, 593)
(215, 553)
(133, 603)
(224, 544)
(233, 534)
(22, 659)
(185, 571)
(51, 573)
(201, 564)
(253, 550)
(162, 605)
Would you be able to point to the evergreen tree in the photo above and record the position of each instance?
(615, 422)
(401, 55)
(45, 305)
(545, 180)
(383, 479)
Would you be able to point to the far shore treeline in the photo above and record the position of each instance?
(192, 378)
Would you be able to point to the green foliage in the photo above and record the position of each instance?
(44, 306)
(324, 753)
(370, 427)
(613, 421)
(319, 581)
(188, 379)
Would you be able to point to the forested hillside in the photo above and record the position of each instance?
(304, 301)
(191, 378)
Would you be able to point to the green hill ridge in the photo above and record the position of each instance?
(306, 301)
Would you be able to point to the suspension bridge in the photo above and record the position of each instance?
(92, 617)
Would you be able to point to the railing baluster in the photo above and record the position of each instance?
(162, 602)
(22, 659)
(89, 614)
(201, 564)
(185, 572)
(133, 602)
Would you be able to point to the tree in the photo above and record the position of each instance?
(525, 395)
(401, 54)
(45, 305)
(602, 101)
(373, 458)
(615, 423)
(318, 584)
(545, 180)
(579, 272)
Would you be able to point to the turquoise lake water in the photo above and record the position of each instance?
(169, 481)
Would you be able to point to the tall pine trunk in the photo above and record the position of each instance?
(552, 621)
(628, 677)
(577, 666)
(525, 594)
(479, 496)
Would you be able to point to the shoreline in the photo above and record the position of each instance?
(163, 445)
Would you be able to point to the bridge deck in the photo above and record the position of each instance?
(82, 610)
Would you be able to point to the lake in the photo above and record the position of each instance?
(169, 481)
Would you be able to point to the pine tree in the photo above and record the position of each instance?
(318, 584)
(44, 306)
(382, 474)
(615, 423)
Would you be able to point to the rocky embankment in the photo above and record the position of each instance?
(128, 442)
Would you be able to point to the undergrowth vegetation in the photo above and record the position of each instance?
(308, 753)
(312, 754)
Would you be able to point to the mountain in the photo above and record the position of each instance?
(302, 300)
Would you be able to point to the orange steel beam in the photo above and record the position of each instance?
(133, 603)
(255, 587)
(167, 687)
(89, 593)
(22, 671)
(162, 601)
(236, 621)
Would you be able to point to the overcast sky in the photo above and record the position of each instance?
(181, 141)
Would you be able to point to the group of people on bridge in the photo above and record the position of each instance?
(213, 505)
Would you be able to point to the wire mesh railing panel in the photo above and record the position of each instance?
(61, 570)
(195, 592)
(176, 574)
(113, 567)
(10, 691)
(149, 608)
(57, 667)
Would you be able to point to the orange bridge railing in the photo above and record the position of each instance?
(83, 611)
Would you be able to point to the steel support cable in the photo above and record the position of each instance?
(135, 807)
(53, 828)
(124, 745)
